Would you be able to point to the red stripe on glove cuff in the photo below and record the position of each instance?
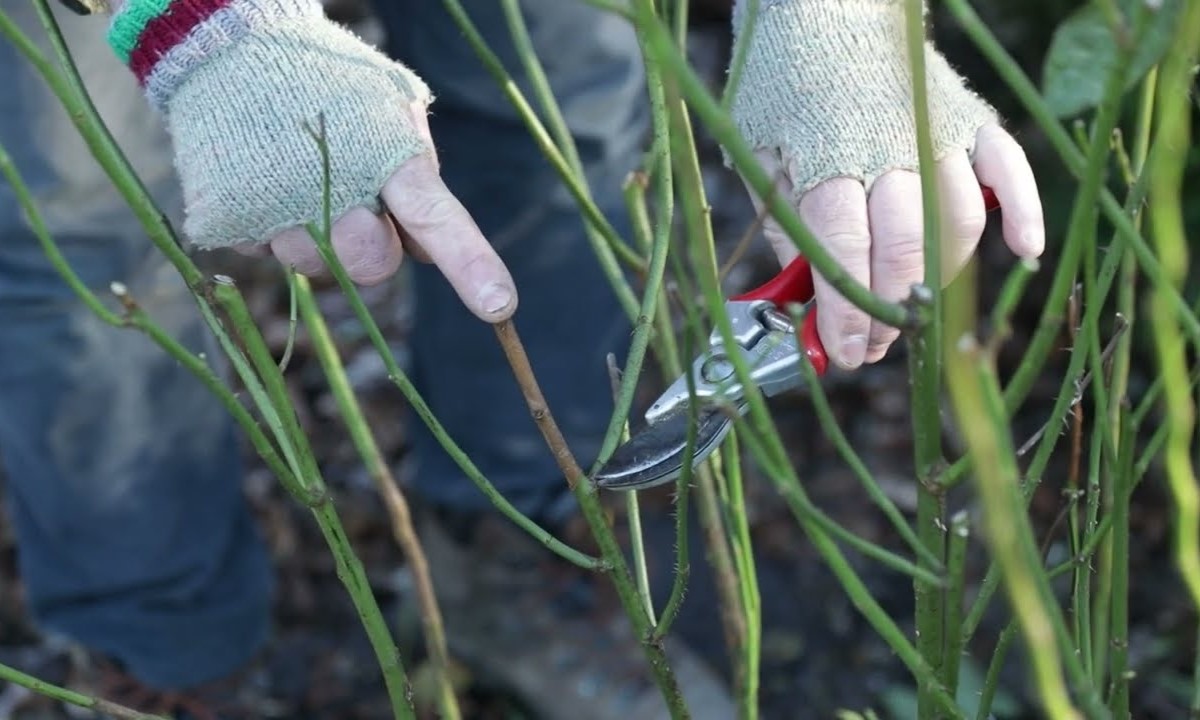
(168, 30)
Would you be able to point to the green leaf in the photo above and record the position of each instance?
(900, 702)
(1083, 51)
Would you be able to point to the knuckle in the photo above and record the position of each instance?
(839, 210)
(836, 212)
(968, 225)
(993, 134)
(837, 202)
(903, 258)
(424, 208)
(854, 322)
(465, 263)
(370, 277)
(853, 236)
(352, 230)
(472, 262)
(375, 264)
(480, 262)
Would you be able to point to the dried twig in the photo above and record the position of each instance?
(585, 494)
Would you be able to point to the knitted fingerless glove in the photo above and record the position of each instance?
(826, 84)
(239, 81)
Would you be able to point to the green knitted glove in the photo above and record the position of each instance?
(826, 84)
(825, 100)
(238, 81)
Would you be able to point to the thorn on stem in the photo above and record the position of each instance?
(920, 294)
(639, 178)
(967, 344)
(121, 291)
(614, 373)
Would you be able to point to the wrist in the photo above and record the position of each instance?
(164, 41)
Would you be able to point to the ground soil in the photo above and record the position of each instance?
(819, 655)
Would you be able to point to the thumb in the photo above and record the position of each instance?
(442, 228)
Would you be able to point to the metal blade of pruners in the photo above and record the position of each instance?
(766, 339)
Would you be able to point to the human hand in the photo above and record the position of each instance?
(243, 92)
(429, 222)
(826, 102)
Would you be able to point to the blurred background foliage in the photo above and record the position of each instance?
(1062, 46)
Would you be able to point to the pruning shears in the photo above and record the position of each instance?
(765, 338)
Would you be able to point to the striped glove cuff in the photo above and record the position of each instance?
(164, 41)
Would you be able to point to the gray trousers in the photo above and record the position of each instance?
(123, 472)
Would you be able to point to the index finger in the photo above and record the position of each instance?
(436, 221)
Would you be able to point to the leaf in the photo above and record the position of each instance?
(1083, 51)
(900, 702)
(852, 715)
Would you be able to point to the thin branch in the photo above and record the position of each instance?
(401, 380)
(632, 510)
(350, 570)
(290, 276)
(71, 697)
(585, 493)
(1120, 326)
(393, 500)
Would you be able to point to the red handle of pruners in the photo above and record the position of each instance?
(794, 284)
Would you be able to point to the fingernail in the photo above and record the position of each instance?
(494, 298)
(854, 350)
